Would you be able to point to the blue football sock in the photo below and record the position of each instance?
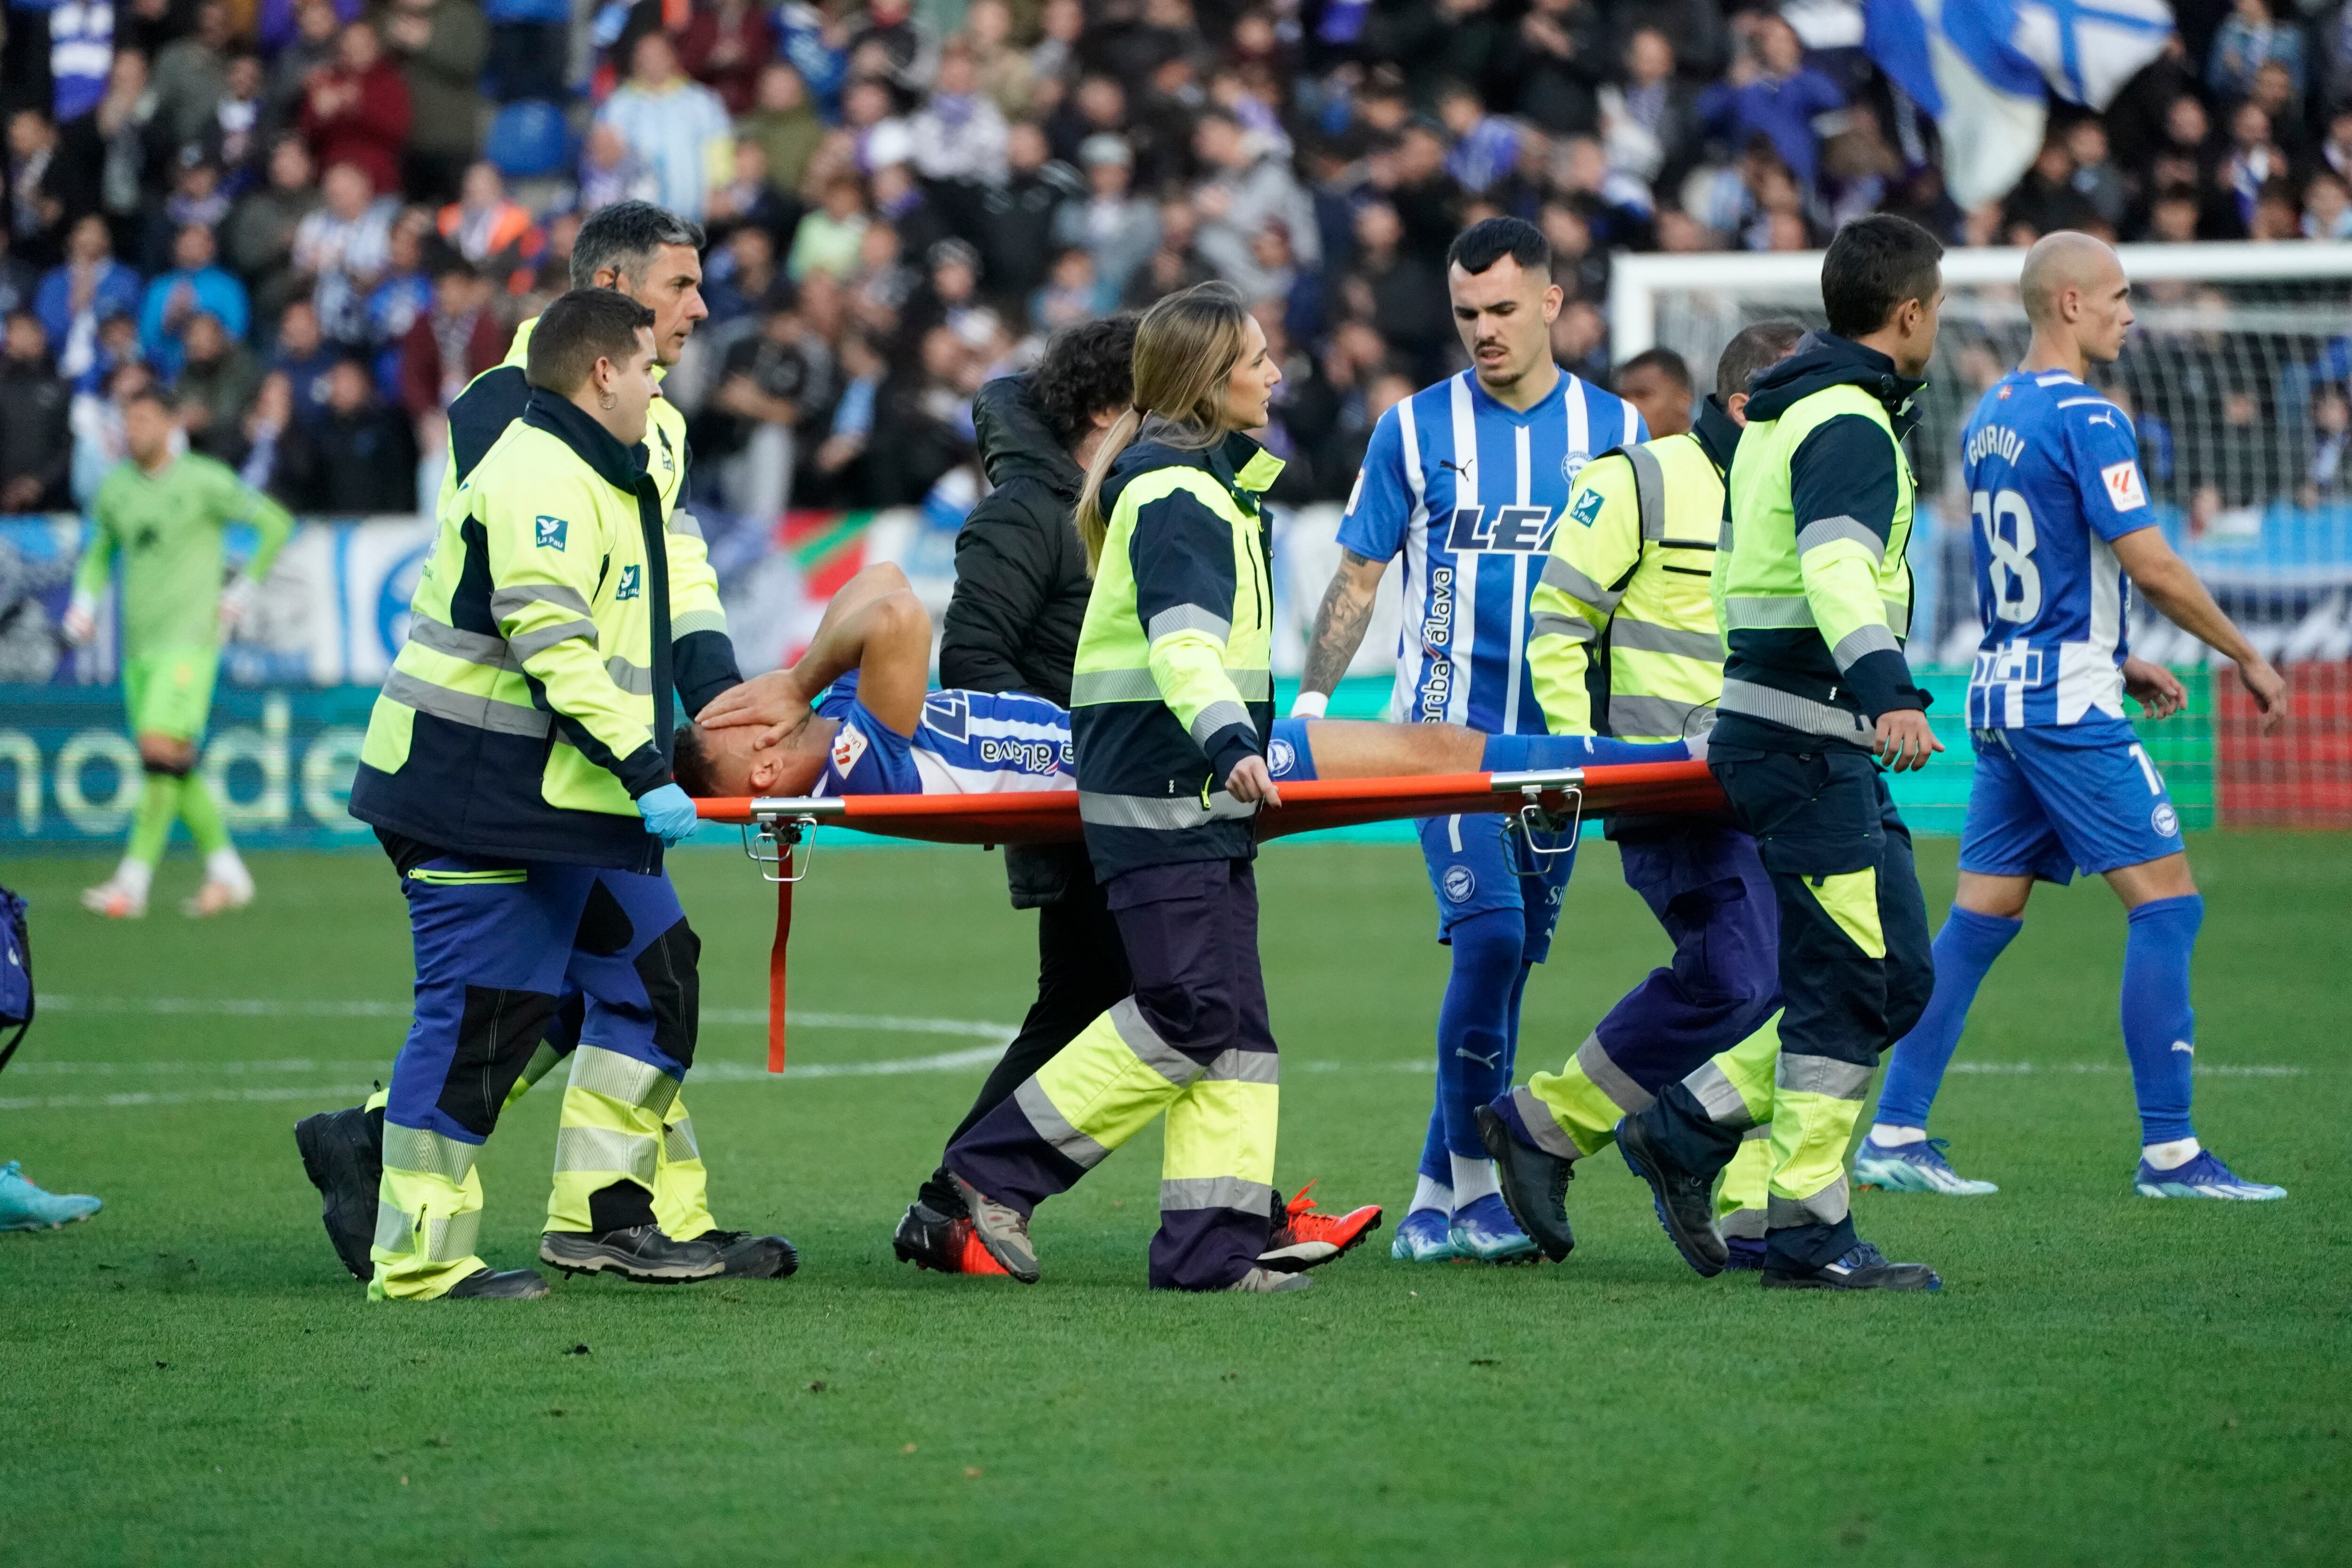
(1965, 949)
(1511, 1027)
(2159, 1026)
(1473, 1036)
(1517, 754)
(1435, 1166)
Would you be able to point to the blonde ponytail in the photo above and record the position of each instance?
(1093, 526)
(1186, 347)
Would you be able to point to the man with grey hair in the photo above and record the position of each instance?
(654, 256)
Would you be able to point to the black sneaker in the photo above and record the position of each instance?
(1534, 1184)
(1684, 1199)
(641, 1253)
(1863, 1267)
(342, 1154)
(749, 1256)
(496, 1285)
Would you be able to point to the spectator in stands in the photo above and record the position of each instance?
(1070, 294)
(1174, 263)
(492, 231)
(217, 383)
(958, 135)
(234, 138)
(747, 428)
(784, 125)
(1772, 92)
(749, 198)
(191, 76)
(1486, 146)
(196, 197)
(42, 188)
(2095, 179)
(743, 280)
(2326, 206)
(671, 123)
(259, 236)
(305, 358)
(440, 46)
(1004, 72)
(318, 28)
(1247, 187)
(1118, 228)
(448, 346)
(2328, 473)
(36, 422)
(723, 46)
(530, 48)
(274, 453)
(2248, 40)
(404, 293)
(1556, 60)
(88, 287)
(366, 453)
(1020, 215)
(97, 423)
(828, 238)
(1650, 124)
(357, 111)
(19, 282)
(342, 248)
(194, 285)
(836, 466)
(112, 152)
(611, 170)
(1399, 292)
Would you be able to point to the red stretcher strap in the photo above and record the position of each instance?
(776, 977)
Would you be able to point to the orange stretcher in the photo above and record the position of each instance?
(1546, 806)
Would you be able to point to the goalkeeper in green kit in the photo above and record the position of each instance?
(163, 510)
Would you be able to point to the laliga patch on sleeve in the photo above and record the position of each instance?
(552, 532)
(1586, 508)
(1355, 495)
(848, 745)
(2123, 490)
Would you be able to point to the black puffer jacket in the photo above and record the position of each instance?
(1021, 592)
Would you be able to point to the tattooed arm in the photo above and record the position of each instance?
(1339, 623)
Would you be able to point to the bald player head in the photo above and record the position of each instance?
(2078, 300)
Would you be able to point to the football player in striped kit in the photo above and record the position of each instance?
(1466, 480)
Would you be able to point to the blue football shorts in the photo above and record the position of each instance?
(2052, 800)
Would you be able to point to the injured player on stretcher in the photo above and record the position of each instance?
(854, 716)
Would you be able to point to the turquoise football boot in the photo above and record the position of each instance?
(24, 1206)
(1485, 1231)
(1917, 1167)
(1425, 1237)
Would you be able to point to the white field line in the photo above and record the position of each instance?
(274, 1007)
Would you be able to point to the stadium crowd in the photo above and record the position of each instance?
(313, 223)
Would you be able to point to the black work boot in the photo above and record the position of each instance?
(497, 1285)
(342, 1154)
(1860, 1267)
(640, 1252)
(749, 1256)
(1534, 1183)
(1683, 1198)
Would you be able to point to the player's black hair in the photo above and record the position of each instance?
(578, 329)
(1751, 350)
(1665, 361)
(689, 764)
(1485, 243)
(625, 236)
(1872, 265)
(1085, 370)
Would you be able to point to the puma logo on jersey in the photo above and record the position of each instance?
(1515, 530)
(552, 532)
(2184, 1046)
(1486, 1061)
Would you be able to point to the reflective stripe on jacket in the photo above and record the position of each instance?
(1629, 575)
(1812, 588)
(531, 702)
(1174, 683)
(703, 655)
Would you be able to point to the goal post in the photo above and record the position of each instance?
(2238, 377)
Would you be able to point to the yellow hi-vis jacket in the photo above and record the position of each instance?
(531, 703)
(703, 657)
(1621, 637)
(1173, 682)
(1812, 588)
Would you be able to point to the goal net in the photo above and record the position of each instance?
(2239, 379)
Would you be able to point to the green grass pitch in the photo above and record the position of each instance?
(190, 1379)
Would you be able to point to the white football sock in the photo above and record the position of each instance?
(1888, 1136)
(134, 877)
(224, 867)
(1429, 1195)
(2170, 1156)
(1472, 1180)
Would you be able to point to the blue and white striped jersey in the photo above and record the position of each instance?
(969, 742)
(1468, 491)
(2052, 475)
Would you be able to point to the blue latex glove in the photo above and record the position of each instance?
(668, 813)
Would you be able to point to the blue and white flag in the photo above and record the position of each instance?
(1985, 69)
